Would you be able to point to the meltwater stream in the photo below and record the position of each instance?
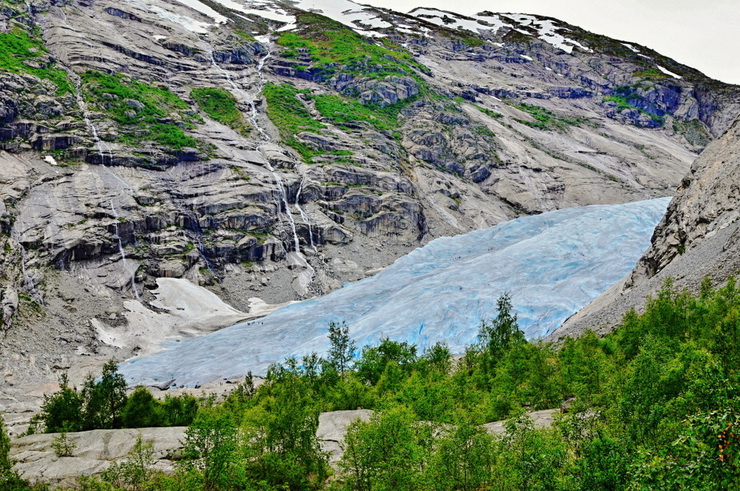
(553, 264)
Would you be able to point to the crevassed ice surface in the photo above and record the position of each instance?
(553, 264)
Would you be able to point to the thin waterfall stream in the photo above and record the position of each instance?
(249, 99)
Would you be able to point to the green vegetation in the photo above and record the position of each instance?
(144, 112)
(546, 119)
(104, 404)
(342, 110)
(133, 472)
(652, 405)
(331, 48)
(220, 105)
(63, 446)
(693, 130)
(626, 97)
(653, 73)
(488, 112)
(290, 116)
(23, 51)
(9, 479)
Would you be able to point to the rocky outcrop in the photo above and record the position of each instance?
(698, 238)
(332, 429)
(94, 451)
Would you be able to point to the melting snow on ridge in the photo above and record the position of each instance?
(547, 32)
(451, 20)
(553, 264)
(348, 13)
(269, 11)
(188, 23)
(205, 10)
(668, 72)
(492, 22)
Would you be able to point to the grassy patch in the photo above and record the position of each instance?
(220, 105)
(488, 112)
(21, 52)
(546, 119)
(653, 73)
(290, 116)
(144, 112)
(332, 47)
(343, 110)
(625, 97)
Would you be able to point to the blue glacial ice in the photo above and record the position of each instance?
(553, 264)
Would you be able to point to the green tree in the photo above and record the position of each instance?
(464, 457)
(210, 448)
(342, 349)
(388, 452)
(142, 410)
(63, 446)
(104, 399)
(62, 411)
(179, 411)
(374, 360)
(497, 336)
(136, 470)
(9, 479)
(280, 432)
(532, 459)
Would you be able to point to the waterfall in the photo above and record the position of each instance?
(304, 216)
(102, 147)
(249, 99)
(123, 253)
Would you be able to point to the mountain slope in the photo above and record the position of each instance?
(698, 238)
(208, 140)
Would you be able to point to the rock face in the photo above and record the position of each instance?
(94, 451)
(699, 237)
(332, 429)
(146, 140)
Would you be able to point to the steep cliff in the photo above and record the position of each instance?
(698, 238)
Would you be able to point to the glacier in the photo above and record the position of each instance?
(552, 264)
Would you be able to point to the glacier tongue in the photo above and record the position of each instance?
(553, 264)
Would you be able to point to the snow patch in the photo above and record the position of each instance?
(205, 10)
(267, 11)
(360, 18)
(668, 72)
(451, 20)
(547, 31)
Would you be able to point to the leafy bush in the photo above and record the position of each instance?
(63, 446)
(103, 403)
